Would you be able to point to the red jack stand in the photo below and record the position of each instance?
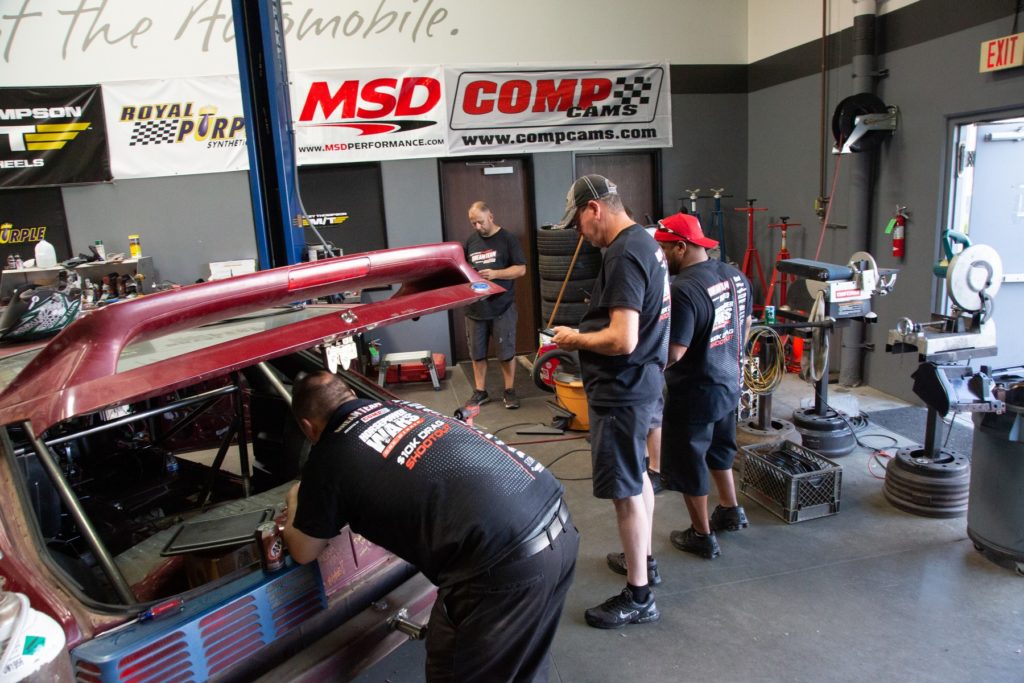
(781, 279)
(751, 258)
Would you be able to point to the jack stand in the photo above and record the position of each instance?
(717, 227)
(751, 258)
(693, 197)
(783, 280)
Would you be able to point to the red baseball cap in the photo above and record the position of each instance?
(682, 227)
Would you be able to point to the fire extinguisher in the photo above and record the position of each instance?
(897, 228)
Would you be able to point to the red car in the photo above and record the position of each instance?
(137, 541)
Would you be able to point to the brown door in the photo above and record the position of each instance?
(505, 185)
(635, 173)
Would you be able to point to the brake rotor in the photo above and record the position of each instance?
(844, 121)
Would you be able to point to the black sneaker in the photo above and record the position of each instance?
(510, 399)
(691, 542)
(655, 481)
(619, 610)
(729, 519)
(478, 398)
(617, 563)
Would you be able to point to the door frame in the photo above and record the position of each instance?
(530, 279)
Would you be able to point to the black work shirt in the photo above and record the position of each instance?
(710, 305)
(633, 275)
(497, 252)
(436, 492)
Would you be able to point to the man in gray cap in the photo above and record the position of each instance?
(623, 346)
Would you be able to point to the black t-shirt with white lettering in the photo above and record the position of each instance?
(710, 305)
(497, 252)
(438, 493)
(633, 275)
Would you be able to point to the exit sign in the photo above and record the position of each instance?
(1002, 53)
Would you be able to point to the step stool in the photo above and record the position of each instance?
(425, 357)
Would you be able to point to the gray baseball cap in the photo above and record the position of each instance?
(584, 189)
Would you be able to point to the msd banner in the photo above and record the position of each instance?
(546, 109)
(368, 114)
(175, 127)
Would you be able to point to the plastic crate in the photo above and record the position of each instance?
(793, 497)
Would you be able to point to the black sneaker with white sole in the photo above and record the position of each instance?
(617, 563)
(620, 610)
(691, 542)
(510, 399)
(478, 398)
(729, 519)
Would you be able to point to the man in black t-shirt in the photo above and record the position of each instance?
(497, 255)
(622, 343)
(482, 520)
(710, 319)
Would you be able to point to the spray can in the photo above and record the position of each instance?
(134, 246)
(769, 315)
(101, 251)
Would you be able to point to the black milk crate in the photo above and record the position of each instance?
(793, 497)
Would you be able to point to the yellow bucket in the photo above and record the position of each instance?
(570, 395)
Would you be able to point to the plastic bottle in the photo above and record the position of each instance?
(101, 251)
(46, 255)
(134, 246)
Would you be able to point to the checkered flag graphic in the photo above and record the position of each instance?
(628, 89)
(154, 132)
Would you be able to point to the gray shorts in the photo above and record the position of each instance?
(502, 328)
(657, 412)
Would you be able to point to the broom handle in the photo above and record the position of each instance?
(565, 282)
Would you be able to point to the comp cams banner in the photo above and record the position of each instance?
(52, 136)
(175, 127)
(544, 109)
(368, 114)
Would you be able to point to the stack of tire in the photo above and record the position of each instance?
(555, 249)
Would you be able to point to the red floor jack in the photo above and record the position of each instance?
(783, 280)
(751, 258)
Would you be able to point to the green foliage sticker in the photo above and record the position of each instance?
(33, 643)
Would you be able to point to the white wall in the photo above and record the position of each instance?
(777, 25)
(55, 42)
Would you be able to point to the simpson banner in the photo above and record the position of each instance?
(499, 110)
(52, 136)
(175, 127)
(368, 114)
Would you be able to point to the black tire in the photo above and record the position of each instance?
(575, 291)
(565, 359)
(555, 267)
(569, 314)
(552, 242)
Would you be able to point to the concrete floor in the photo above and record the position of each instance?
(871, 593)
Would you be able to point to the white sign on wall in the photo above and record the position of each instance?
(497, 110)
(175, 127)
(368, 114)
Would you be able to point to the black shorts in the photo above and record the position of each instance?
(618, 449)
(689, 450)
(502, 328)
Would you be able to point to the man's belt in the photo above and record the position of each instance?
(544, 538)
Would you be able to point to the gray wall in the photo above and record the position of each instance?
(932, 83)
(184, 222)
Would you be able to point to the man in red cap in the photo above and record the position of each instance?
(710, 317)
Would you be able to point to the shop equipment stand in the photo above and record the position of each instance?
(751, 258)
(425, 357)
(693, 197)
(717, 228)
(783, 280)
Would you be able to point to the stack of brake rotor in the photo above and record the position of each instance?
(557, 249)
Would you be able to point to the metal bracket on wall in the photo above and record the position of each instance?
(870, 123)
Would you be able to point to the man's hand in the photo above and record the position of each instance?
(301, 547)
(566, 338)
(487, 273)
